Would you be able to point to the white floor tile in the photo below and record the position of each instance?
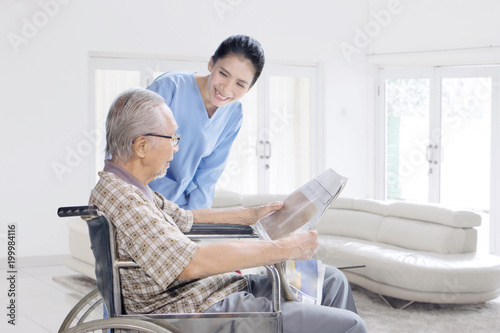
(34, 288)
(48, 271)
(23, 324)
(56, 302)
(49, 321)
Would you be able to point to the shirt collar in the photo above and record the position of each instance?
(126, 176)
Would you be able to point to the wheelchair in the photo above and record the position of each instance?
(102, 308)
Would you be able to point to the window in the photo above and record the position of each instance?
(437, 137)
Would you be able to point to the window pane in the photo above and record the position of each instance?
(465, 142)
(289, 133)
(407, 131)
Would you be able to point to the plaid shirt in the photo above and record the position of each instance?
(152, 235)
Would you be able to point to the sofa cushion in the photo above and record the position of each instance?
(424, 236)
(371, 206)
(364, 205)
(434, 213)
(225, 199)
(406, 233)
(350, 223)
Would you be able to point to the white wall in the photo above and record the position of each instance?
(429, 25)
(44, 85)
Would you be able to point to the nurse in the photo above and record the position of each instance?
(209, 117)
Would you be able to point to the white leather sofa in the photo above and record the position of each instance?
(414, 252)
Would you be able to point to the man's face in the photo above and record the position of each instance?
(163, 151)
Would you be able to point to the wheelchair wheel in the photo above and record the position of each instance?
(87, 316)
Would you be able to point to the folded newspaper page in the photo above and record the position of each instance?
(303, 208)
(306, 280)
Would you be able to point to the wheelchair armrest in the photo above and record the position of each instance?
(77, 211)
(197, 230)
(221, 231)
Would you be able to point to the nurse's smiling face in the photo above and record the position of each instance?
(230, 79)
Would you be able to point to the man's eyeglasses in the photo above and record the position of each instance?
(175, 139)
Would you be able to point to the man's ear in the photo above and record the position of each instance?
(211, 64)
(140, 146)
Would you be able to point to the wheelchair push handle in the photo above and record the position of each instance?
(77, 211)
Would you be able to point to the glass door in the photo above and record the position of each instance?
(407, 105)
(438, 143)
(464, 154)
(276, 149)
(288, 141)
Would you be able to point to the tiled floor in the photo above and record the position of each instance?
(41, 303)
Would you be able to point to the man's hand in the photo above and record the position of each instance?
(245, 216)
(261, 211)
(301, 244)
(225, 257)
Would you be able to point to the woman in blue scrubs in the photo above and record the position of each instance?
(209, 117)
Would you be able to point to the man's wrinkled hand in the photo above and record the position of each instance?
(302, 244)
(267, 209)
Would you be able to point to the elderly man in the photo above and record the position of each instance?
(178, 275)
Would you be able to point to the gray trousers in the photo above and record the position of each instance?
(337, 312)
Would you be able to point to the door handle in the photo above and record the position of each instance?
(428, 153)
(268, 151)
(262, 149)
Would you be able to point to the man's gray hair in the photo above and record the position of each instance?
(134, 113)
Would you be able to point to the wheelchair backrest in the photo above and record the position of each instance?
(99, 232)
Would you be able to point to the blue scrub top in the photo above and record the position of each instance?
(205, 142)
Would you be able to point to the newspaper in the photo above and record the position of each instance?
(302, 209)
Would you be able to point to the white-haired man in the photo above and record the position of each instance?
(178, 275)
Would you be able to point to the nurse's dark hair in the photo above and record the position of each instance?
(242, 45)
